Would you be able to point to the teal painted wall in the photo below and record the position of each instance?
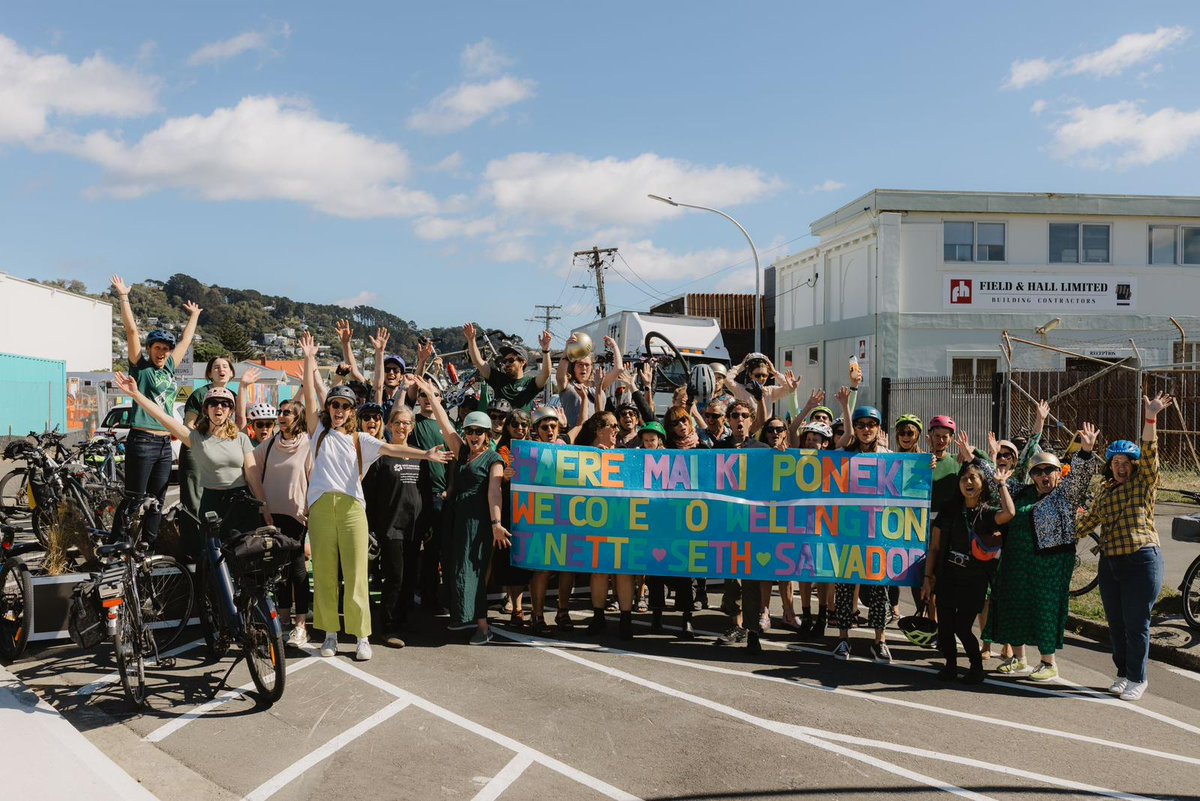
(33, 394)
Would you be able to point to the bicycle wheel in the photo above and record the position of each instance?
(130, 654)
(1087, 566)
(165, 588)
(14, 491)
(216, 640)
(45, 518)
(16, 609)
(263, 644)
(1191, 594)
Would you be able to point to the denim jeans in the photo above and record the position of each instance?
(1129, 586)
(147, 472)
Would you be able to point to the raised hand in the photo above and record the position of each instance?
(882, 438)
(344, 331)
(544, 340)
(251, 376)
(817, 397)
(438, 454)
(119, 285)
(125, 383)
(425, 351)
(646, 373)
(1087, 437)
(192, 309)
(380, 340)
(307, 345)
(993, 445)
(1003, 474)
(964, 447)
(610, 344)
(1152, 406)
(469, 332)
(843, 396)
(1043, 410)
(679, 396)
(791, 381)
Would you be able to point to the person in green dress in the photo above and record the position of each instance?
(475, 506)
(1029, 601)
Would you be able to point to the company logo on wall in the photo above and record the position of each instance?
(1039, 292)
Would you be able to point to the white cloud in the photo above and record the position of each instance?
(466, 104)
(1129, 50)
(264, 148)
(438, 228)
(573, 192)
(35, 87)
(828, 185)
(451, 164)
(228, 49)
(662, 268)
(1038, 106)
(483, 60)
(363, 298)
(1121, 135)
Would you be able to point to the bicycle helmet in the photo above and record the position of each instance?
(719, 369)
(1123, 447)
(370, 408)
(159, 335)
(866, 413)
(262, 411)
(499, 406)
(397, 360)
(704, 383)
(823, 410)
(919, 630)
(1007, 443)
(544, 413)
(218, 393)
(341, 391)
(1043, 458)
(477, 420)
(818, 428)
(654, 427)
(911, 420)
(943, 421)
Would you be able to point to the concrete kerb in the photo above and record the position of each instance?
(1097, 631)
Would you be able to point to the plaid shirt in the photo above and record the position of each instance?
(1125, 512)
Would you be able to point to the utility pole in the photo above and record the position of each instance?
(599, 262)
(546, 316)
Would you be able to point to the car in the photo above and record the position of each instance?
(117, 421)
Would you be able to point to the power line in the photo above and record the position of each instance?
(547, 314)
(635, 275)
(741, 263)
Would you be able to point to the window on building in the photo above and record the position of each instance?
(959, 240)
(1073, 243)
(969, 374)
(1162, 244)
(968, 241)
(1189, 354)
(814, 355)
(1191, 246)
(787, 360)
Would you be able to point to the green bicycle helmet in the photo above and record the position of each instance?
(910, 419)
(919, 630)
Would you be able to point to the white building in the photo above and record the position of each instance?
(51, 323)
(919, 283)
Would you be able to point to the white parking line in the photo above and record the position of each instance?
(167, 729)
(864, 696)
(112, 678)
(297, 768)
(1185, 673)
(501, 781)
(829, 740)
(496, 737)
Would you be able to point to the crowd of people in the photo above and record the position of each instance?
(380, 463)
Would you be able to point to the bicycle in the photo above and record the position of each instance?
(1189, 588)
(16, 594)
(147, 602)
(1086, 574)
(236, 575)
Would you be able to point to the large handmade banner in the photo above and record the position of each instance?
(822, 516)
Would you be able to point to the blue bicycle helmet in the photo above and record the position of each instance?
(159, 335)
(1123, 447)
(866, 413)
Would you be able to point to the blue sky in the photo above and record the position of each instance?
(443, 163)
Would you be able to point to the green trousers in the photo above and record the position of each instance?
(337, 531)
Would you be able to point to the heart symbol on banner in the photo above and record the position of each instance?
(659, 554)
(763, 558)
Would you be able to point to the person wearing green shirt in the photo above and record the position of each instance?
(507, 376)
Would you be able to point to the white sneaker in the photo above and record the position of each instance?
(299, 637)
(1118, 686)
(842, 651)
(363, 652)
(329, 647)
(1134, 690)
(764, 620)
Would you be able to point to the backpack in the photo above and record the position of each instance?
(85, 616)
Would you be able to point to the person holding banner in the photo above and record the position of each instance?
(963, 555)
(774, 435)
(504, 573)
(546, 426)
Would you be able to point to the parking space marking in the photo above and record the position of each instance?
(112, 678)
(501, 781)
(1185, 673)
(297, 768)
(167, 729)
(694, 665)
(829, 740)
(587, 780)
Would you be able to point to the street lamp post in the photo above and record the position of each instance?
(753, 250)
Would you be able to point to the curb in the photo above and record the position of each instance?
(1097, 631)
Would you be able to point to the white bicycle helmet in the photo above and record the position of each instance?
(704, 383)
(818, 428)
(262, 411)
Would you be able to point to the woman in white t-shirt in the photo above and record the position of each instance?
(337, 516)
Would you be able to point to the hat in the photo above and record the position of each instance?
(500, 405)
(398, 360)
(1043, 458)
(626, 406)
(218, 393)
(943, 421)
(159, 335)
(1004, 443)
(370, 408)
(653, 427)
(544, 413)
(504, 350)
(822, 409)
(477, 420)
(341, 391)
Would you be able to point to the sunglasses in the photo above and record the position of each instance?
(864, 424)
(511, 360)
(371, 418)
(629, 413)
(712, 416)
(498, 418)
(1006, 455)
(613, 424)
(476, 431)
(1041, 471)
(679, 420)
(286, 413)
(392, 369)
(340, 407)
(740, 415)
(220, 404)
(906, 432)
(518, 424)
(775, 429)
(264, 423)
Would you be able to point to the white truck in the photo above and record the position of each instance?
(698, 340)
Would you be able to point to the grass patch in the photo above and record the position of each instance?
(1089, 606)
(1178, 480)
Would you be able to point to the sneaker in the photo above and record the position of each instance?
(1044, 672)
(842, 651)
(1013, 664)
(880, 652)
(363, 652)
(735, 636)
(753, 646)
(947, 673)
(299, 637)
(329, 647)
(1134, 690)
(974, 675)
(461, 626)
(481, 637)
(393, 640)
(764, 620)
(1118, 686)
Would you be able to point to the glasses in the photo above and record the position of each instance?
(340, 407)
(220, 404)
(629, 413)
(1005, 455)
(371, 418)
(286, 413)
(518, 424)
(760, 377)
(775, 430)
(1041, 471)
(404, 421)
(510, 360)
(740, 415)
(498, 418)
(864, 424)
(264, 423)
(712, 416)
(612, 424)
(470, 432)
(679, 420)
(906, 432)
(392, 369)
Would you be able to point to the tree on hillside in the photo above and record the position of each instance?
(235, 340)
